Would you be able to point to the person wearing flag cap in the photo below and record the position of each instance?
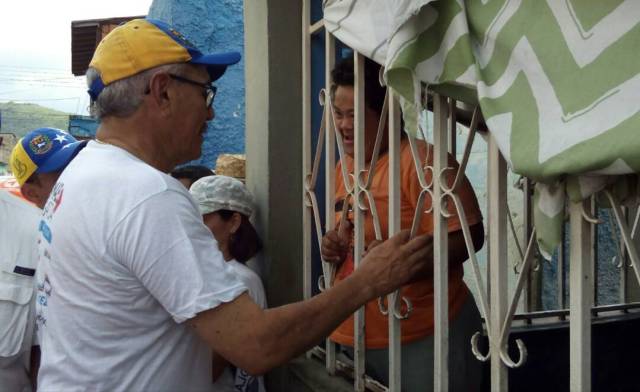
(133, 294)
(36, 161)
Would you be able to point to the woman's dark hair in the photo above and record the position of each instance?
(244, 243)
(342, 75)
(192, 172)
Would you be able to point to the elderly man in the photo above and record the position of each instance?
(133, 294)
(36, 162)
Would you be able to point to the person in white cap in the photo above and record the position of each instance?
(226, 206)
(133, 295)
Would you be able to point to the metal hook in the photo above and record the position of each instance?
(476, 352)
(397, 309)
(381, 306)
(443, 181)
(321, 283)
(381, 77)
(616, 263)
(322, 96)
(427, 168)
(536, 265)
(308, 202)
(586, 215)
(444, 210)
(522, 350)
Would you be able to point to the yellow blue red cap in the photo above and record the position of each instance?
(142, 44)
(43, 150)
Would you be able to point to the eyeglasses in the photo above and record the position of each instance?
(209, 89)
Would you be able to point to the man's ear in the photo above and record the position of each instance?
(236, 220)
(159, 93)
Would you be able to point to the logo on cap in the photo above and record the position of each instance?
(178, 36)
(18, 167)
(40, 144)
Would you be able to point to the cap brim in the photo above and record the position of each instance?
(61, 158)
(216, 63)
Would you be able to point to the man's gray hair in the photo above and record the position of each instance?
(123, 97)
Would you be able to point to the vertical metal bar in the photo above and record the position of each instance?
(306, 146)
(534, 283)
(358, 246)
(580, 298)
(628, 213)
(452, 127)
(395, 358)
(631, 282)
(330, 174)
(440, 250)
(562, 303)
(593, 256)
(497, 193)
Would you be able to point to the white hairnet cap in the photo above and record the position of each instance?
(213, 193)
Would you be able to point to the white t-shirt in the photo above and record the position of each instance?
(124, 260)
(242, 381)
(18, 260)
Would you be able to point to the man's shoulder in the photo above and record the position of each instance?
(97, 167)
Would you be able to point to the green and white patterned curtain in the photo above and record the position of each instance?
(558, 82)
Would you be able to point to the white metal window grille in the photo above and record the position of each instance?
(497, 304)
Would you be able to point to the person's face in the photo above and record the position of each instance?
(343, 104)
(38, 187)
(193, 114)
(221, 229)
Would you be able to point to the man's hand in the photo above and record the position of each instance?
(397, 261)
(335, 244)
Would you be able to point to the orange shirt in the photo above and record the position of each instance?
(420, 322)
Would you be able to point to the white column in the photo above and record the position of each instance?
(580, 299)
(497, 195)
(440, 250)
(307, 219)
(358, 246)
(330, 176)
(395, 362)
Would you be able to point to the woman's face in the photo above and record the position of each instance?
(220, 229)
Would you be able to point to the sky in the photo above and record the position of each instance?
(35, 49)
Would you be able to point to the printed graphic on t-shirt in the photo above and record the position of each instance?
(245, 382)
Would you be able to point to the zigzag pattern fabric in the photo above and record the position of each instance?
(558, 81)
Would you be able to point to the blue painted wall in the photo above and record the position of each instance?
(82, 126)
(214, 26)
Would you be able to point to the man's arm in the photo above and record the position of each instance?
(257, 340)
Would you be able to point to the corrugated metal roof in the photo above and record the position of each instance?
(85, 36)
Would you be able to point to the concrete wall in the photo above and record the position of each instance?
(274, 152)
(214, 26)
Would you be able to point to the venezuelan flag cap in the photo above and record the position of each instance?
(142, 44)
(43, 150)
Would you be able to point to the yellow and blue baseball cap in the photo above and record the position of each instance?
(142, 44)
(43, 150)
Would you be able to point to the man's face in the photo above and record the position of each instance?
(192, 115)
(38, 187)
(343, 104)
